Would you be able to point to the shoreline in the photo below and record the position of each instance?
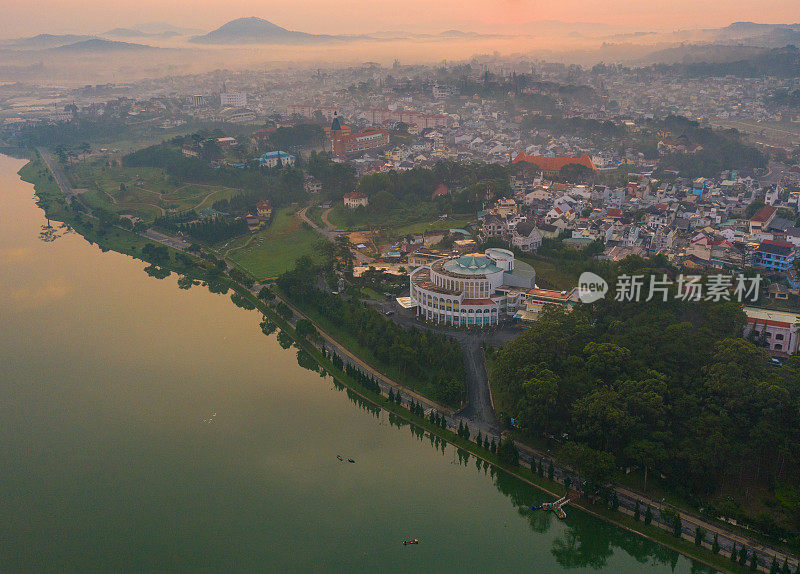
(657, 535)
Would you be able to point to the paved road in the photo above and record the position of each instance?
(480, 408)
(58, 174)
(169, 240)
(480, 411)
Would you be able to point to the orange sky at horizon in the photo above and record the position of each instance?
(17, 18)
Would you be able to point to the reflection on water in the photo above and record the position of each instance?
(151, 426)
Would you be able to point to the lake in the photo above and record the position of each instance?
(148, 428)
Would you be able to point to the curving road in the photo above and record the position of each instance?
(331, 236)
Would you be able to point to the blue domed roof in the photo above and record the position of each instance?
(471, 265)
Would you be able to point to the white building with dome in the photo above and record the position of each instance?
(473, 290)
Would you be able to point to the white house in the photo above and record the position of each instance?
(355, 199)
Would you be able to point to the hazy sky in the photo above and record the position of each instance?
(23, 17)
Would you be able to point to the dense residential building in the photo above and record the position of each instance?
(233, 100)
(762, 218)
(774, 256)
(526, 236)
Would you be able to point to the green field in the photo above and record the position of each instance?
(144, 192)
(271, 251)
(423, 226)
(338, 217)
(314, 213)
(549, 275)
(52, 200)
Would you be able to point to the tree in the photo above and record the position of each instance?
(743, 556)
(754, 561)
(715, 544)
(699, 536)
(648, 515)
(266, 294)
(507, 452)
(306, 329)
(637, 512)
(594, 465)
(677, 526)
(734, 553)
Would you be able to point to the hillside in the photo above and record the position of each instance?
(257, 31)
(100, 45)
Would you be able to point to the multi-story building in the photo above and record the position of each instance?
(774, 256)
(360, 142)
(471, 290)
(776, 330)
(233, 100)
(276, 158)
(355, 199)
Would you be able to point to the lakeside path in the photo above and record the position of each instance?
(528, 455)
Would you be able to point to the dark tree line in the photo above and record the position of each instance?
(211, 230)
(670, 388)
(430, 358)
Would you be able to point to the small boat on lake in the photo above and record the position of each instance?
(339, 457)
(350, 460)
(413, 541)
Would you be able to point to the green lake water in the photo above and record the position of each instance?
(113, 459)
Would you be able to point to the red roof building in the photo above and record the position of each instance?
(552, 165)
(363, 141)
(440, 191)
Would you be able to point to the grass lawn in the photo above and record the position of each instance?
(273, 250)
(548, 274)
(338, 217)
(370, 293)
(315, 214)
(143, 192)
(434, 225)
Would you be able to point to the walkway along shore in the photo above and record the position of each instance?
(628, 499)
(528, 455)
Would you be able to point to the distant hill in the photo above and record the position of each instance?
(695, 53)
(780, 62)
(43, 41)
(101, 45)
(748, 33)
(258, 31)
